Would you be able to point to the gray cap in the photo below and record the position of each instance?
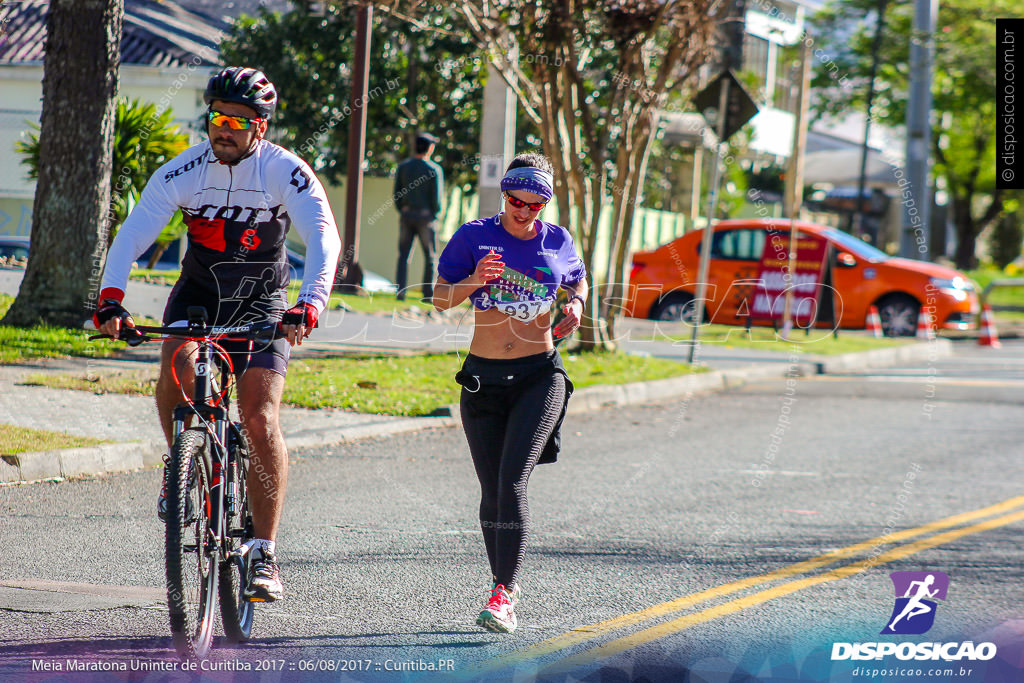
(427, 137)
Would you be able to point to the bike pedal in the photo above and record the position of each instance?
(255, 599)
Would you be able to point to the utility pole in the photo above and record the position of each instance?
(794, 198)
(733, 30)
(350, 272)
(915, 233)
(862, 178)
(704, 264)
(497, 136)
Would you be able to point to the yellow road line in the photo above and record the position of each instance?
(671, 627)
(585, 633)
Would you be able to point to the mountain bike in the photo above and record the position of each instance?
(208, 520)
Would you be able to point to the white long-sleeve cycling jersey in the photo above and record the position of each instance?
(237, 217)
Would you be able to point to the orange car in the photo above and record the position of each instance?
(663, 281)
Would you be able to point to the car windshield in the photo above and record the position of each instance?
(858, 246)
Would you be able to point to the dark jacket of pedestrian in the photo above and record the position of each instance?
(418, 195)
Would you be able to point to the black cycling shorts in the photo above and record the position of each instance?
(244, 354)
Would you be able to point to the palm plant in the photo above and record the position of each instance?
(144, 139)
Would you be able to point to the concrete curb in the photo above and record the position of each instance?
(589, 399)
(931, 350)
(26, 468)
(55, 465)
(335, 436)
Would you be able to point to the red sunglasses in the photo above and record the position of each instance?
(222, 120)
(519, 203)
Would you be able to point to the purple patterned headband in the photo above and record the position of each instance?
(529, 179)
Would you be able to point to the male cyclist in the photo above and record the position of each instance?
(238, 193)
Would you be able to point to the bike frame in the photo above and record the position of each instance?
(214, 416)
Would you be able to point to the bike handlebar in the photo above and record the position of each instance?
(262, 333)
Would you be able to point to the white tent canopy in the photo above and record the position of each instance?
(842, 167)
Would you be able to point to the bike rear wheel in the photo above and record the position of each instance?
(236, 611)
(190, 553)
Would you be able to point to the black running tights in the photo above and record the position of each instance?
(507, 428)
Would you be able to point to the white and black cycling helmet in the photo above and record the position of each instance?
(243, 85)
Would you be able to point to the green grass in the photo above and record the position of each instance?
(155, 277)
(403, 385)
(132, 383)
(820, 341)
(19, 344)
(408, 385)
(25, 440)
(999, 296)
(371, 303)
(589, 369)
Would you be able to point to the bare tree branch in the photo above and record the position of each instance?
(592, 75)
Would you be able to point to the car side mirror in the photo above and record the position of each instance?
(845, 259)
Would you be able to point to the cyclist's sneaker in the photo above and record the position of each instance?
(499, 616)
(161, 501)
(264, 578)
(161, 504)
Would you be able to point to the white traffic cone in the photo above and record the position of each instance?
(874, 324)
(924, 325)
(988, 336)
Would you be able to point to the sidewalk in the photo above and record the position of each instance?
(131, 420)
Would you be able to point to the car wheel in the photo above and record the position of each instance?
(676, 307)
(898, 314)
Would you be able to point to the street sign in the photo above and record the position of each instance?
(740, 107)
(806, 279)
(491, 170)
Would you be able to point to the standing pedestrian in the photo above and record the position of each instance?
(418, 194)
(514, 386)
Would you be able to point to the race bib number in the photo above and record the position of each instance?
(524, 311)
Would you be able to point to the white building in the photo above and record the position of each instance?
(167, 55)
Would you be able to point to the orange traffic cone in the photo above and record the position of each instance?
(874, 324)
(988, 336)
(924, 325)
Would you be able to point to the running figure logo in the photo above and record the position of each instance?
(914, 611)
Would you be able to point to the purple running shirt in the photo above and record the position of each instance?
(534, 268)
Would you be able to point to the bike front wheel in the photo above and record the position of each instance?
(190, 553)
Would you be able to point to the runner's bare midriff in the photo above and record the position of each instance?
(496, 335)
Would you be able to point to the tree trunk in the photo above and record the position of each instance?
(158, 251)
(966, 244)
(617, 293)
(966, 233)
(591, 335)
(656, 48)
(70, 213)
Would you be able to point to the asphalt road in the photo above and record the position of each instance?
(672, 542)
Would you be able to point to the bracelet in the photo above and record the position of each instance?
(576, 296)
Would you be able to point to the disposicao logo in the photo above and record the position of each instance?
(914, 614)
(916, 592)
